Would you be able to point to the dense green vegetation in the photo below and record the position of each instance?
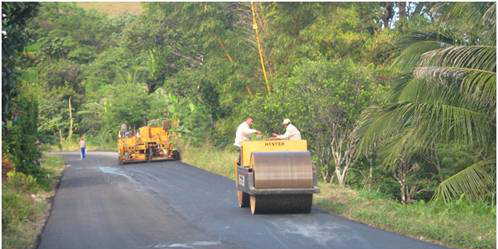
(25, 203)
(394, 97)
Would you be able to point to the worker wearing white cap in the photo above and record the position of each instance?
(291, 132)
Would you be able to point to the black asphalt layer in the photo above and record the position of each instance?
(102, 205)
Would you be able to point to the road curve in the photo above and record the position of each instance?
(102, 205)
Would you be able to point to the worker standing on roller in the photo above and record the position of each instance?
(291, 132)
(243, 133)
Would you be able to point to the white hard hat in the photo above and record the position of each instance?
(286, 121)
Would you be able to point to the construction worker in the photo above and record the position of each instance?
(123, 131)
(82, 148)
(291, 132)
(244, 133)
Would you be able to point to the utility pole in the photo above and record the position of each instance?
(260, 49)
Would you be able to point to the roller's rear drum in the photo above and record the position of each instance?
(271, 204)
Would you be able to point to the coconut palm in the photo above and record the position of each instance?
(447, 94)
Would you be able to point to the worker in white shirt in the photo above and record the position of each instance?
(291, 132)
(243, 133)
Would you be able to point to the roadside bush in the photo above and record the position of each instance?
(19, 141)
(25, 203)
(21, 182)
(16, 207)
(7, 166)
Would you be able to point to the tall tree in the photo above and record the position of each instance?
(14, 39)
(448, 95)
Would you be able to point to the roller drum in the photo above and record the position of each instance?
(281, 204)
(282, 169)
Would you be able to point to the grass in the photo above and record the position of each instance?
(113, 9)
(217, 161)
(460, 224)
(26, 203)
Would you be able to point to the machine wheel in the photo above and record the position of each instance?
(176, 155)
(242, 199)
(265, 204)
(252, 203)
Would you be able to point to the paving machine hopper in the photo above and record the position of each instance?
(275, 176)
(150, 143)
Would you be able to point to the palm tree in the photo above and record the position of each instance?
(447, 94)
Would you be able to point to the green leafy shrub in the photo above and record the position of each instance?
(16, 207)
(22, 182)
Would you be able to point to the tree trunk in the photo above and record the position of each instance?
(402, 14)
(328, 177)
(260, 48)
(340, 176)
(402, 186)
(264, 31)
(403, 192)
(70, 133)
(227, 55)
(61, 140)
(230, 59)
(343, 158)
(370, 176)
(402, 10)
(418, 9)
(388, 14)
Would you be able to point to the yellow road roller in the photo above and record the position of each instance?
(275, 176)
(150, 143)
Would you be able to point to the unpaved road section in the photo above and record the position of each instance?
(102, 205)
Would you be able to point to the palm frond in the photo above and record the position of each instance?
(478, 12)
(449, 95)
(473, 181)
(402, 146)
(474, 84)
(428, 122)
(476, 57)
(399, 84)
(410, 56)
(471, 68)
(373, 128)
(489, 17)
(475, 21)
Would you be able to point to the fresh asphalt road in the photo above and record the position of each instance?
(102, 205)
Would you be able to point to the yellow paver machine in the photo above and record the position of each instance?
(275, 176)
(150, 143)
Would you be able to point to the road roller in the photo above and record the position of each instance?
(149, 143)
(275, 176)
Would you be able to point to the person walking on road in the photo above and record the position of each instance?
(291, 132)
(82, 148)
(243, 133)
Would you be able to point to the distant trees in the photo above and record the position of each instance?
(14, 39)
(448, 96)
(19, 109)
(374, 87)
(325, 100)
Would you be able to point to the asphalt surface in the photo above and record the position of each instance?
(102, 205)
